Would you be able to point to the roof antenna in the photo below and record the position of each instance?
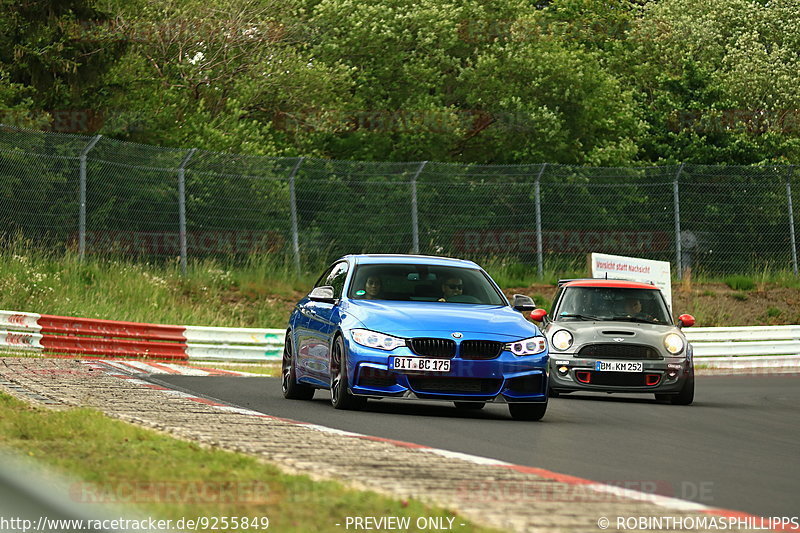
(606, 275)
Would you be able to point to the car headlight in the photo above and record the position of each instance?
(373, 339)
(529, 346)
(673, 343)
(562, 339)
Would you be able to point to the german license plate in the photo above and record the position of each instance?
(419, 364)
(619, 366)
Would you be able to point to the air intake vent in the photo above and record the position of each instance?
(444, 348)
(614, 333)
(624, 379)
(375, 378)
(454, 385)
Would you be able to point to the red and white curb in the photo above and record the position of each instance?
(150, 367)
(666, 502)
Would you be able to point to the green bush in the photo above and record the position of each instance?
(740, 283)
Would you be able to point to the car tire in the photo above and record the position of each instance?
(686, 395)
(292, 390)
(341, 397)
(527, 411)
(470, 406)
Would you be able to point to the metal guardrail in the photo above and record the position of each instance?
(112, 338)
(718, 347)
(233, 344)
(746, 346)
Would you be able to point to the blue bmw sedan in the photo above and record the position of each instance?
(415, 327)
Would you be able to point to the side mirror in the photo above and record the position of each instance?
(537, 315)
(685, 321)
(523, 303)
(322, 294)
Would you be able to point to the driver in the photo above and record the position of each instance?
(451, 286)
(633, 306)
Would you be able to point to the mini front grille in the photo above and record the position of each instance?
(480, 349)
(619, 351)
(444, 348)
(620, 379)
(375, 377)
(454, 385)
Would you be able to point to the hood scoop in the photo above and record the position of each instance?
(628, 333)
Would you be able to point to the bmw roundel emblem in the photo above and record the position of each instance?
(457, 335)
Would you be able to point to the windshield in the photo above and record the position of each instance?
(613, 303)
(425, 283)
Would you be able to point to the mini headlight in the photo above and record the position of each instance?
(673, 343)
(562, 339)
(373, 339)
(529, 346)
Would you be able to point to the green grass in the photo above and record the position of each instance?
(175, 479)
(258, 293)
(740, 283)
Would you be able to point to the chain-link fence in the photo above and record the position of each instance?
(103, 196)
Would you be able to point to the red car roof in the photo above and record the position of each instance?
(615, 283)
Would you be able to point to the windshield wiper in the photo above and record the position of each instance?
(624, 318)
(579, 316)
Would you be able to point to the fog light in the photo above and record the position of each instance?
(563, 370)
(652, 379)
(672, 374)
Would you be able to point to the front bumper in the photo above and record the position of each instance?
(570, 373)
(505, 379)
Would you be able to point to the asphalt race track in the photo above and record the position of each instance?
(737, 447)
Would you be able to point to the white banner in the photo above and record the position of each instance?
(634, 269)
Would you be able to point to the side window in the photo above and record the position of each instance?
(336, 278)
(323, 279)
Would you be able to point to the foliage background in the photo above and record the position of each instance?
(586, 82)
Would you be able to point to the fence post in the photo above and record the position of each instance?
(538, 200)
(677, 202)
(293, 202)
(791, 217)
(414, 213)
(182, 207)
(82, 198)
